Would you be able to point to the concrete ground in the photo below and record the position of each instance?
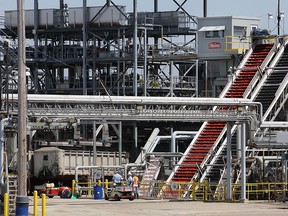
(85, 206)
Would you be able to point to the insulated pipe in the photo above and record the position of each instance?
(148, 144)
(135, 100)
(132, 165)
(239, 140)
(139, 165)
(132, 100)
(274, 124)
(243, 161)
(173, 138)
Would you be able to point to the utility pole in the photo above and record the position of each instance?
(22, 103)
(278, 18)
(204, 8)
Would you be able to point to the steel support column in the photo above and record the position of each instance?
(135, 59)
(84, 70)
(243, 161)
(229, 163)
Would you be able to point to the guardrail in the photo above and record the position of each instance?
(86, 188)
(217, 192)
(205, 191)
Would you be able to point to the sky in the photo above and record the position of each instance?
(250, 8)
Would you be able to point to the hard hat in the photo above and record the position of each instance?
(129, 173)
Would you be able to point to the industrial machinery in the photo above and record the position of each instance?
(119, 192)
(50, 190)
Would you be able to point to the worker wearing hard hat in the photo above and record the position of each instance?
(136, 186)
(129, 181)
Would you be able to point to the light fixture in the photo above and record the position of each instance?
(270, 16)
(282, 14)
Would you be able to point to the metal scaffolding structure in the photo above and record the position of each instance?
(90, 50)
(103, 50)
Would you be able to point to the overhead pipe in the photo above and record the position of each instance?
(132, 165)
(158, 138)
(139, 100)
(173, 138)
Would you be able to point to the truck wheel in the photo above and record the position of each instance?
(50, 196)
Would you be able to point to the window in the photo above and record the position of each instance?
(213, 31)
(214, 34)
(254, 27)
(240, 31)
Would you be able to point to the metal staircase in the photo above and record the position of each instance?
(274, 88)
(146, 189)
(267, 90)
(203, 147)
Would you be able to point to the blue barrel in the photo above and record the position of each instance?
(22, 205)
(98, 192)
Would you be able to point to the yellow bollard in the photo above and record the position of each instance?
(206, 190)
(35, 209)
(90, 190)
(179, 192)
(73, 187)
(193, 191)
(6, 204)
(43, 204)
(106, 183)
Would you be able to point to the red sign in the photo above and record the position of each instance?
(214, 45)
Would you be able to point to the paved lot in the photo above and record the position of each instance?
(65, 207)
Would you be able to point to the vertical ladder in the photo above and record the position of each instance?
(13, 188)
